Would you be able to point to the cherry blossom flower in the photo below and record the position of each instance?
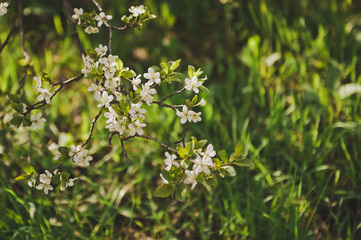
(97, 88)
(88, 62)
(136, 81)
(169, 161)
(154, 77)
(208, 154)
(199, 166)
(193, 84)
(165, 181)
(24, 109)
(195, 117)
(45, 180)
(37, 82)
(3, 8)
(190, 178)
(202, 102)
(101, 18)
(136, 128)
(111, 116)
(91, 30)
(111, 82)
(82, 158)
(74, 150)
(116, 127)
(146, 93)
(104, 99)
(138, 10)
(186, 115)
(70, 182)
(136, 111)
(44, 94)
(36, 121)
(77, 13)
(53, 147)
(101, 50)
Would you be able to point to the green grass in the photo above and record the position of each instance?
(290, 115)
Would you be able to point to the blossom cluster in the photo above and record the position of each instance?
(93, 21)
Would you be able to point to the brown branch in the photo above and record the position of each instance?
(62, 84)
(92, 127)
(151, 138)
(172, 94)
(68, 12)
(12, 30)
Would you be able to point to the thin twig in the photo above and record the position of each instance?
(172, 94)
(62, 84)
(12, 30)
(124, 152)
(183, 137)
(68, 13)
(151, 138)
(92, 127)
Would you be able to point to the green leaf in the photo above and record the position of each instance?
(243, 163)
(217, 162)
(27, 168)
(65, 175)
(230, 170)
(167, 175)
(238, 150)
(55, 179)
(17, 107)
(164, 67)
(223, 155)
(16, 121)
(14, 98)
(92, 53)
(183, 152)
(194, 100)
(191, 71)
(127, 74)
(174, 77)
(200, 144)
(180, 192)
(22, 177)
(63, 150)
(164, 190)
(119, 64)
(173, 65)
(212, 181)
(27, 122)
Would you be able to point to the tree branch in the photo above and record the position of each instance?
(92, 127)
(68, 12)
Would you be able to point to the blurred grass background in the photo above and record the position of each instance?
(284, 80)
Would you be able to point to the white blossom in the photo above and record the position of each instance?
(199, 166)
(169, 161)
(44, 94)
(37, 82)
(94, 87)
(190, 178)
(154, 77)
(136, 128)
(146, 93)
(186, 115)
(53, 147)
(88, 62)
(45, 180)
(136, 81)
(101, 18)
(165, 181)
(116, 127)
(208, 154)
(77, 13)
(74, 150)
(193, 84)
(104, 99)
(3, 8)
(36, 121)
(83, 158)
(101, 50)
(138, 10)
(24, 110)
(195, 117)
(136, 111)
(111, 82)
(111, 116)
(202, 102)
(91, 30)
(70, 182)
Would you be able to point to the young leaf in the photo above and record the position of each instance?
(27, 122)
(14, 98)
(27, 168)
(180, 192)
(173, 65)
(22, 177)
(230, 170)
(200, 144)
(191, 71)
(243, 163)
(163, 190)
(223, 155)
